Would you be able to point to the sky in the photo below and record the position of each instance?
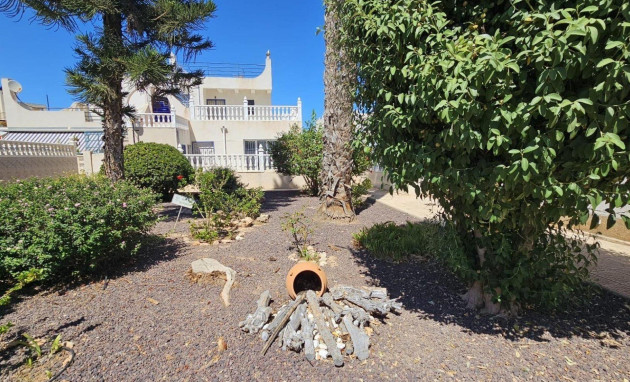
(242, 32)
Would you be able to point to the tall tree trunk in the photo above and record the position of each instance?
(113, 105)
(336, 175)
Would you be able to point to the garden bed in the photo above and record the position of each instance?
(149, 322)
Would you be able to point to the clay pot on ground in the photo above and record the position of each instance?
(304, 276)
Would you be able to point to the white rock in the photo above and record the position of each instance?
(317, 337)
(310, 317)
(323, 353)
(315, 344)
(341, 346)
(264, 335)
(263, 218)
(323, 346)
(265, 326)
(208, 265)
(239, 238)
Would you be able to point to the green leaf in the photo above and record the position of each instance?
(594, 221)
(524, 164)
(605, 61)
(589, 9)
(610, 222)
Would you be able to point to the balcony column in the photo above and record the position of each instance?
(173, 121)
(261, 158)
(191, 107)
(299, 109)
(245, 114)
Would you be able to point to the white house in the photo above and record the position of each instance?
(226, 120)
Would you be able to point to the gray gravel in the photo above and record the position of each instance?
(119, 335)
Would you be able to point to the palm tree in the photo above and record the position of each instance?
(132, 42)
(336, 175)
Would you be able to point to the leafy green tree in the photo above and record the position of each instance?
(336, 174)
(132, 42)
(513, 114)
(299, 152)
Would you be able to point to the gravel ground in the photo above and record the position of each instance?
(119, 335)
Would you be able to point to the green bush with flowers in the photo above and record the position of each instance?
(64, 227)
(160, 167)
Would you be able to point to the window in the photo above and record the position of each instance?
(160, 105)
(250, 110)
(203, 148)
(251, 147)
(215, 101)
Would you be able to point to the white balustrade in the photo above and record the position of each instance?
(246, 113)
(236, 162)
(169, 120)
(32, 149)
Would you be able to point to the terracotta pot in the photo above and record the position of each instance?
(306, 275)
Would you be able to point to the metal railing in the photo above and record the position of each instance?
(236, 162)
(30, 149)
(219, 69)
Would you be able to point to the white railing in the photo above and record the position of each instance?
(237, 162)
(247, 112)
(149, 120)
(23, 149)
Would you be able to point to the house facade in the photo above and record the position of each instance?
(228, 118)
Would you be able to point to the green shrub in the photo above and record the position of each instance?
(300, 151)
(63, 227)
(222, 200)
(157, 166)
(358, 191)
(399, 242)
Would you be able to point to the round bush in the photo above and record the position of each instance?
(156, 166)
(70, 225)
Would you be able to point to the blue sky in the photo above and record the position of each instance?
(242, 32)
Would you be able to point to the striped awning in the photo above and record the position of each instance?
(87, 140)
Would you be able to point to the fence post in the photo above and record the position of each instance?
(299, 109)
(245, 113)
(261, 158)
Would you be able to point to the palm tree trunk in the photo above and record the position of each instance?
(336, 175)
(113, 105)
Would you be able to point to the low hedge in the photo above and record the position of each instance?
(64, 227)
(160, 167)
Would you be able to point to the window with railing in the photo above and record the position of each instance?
(251, 146)
(203, 147)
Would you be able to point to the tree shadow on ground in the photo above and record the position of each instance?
(432, 292)
(154, 250)
(274, 200)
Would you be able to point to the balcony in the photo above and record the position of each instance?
(247, 112)
(238, 162)
(159, 120)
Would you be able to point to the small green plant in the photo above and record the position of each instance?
(358, 190)
(33, 347)
(300, 228)
(56, 345)
(223, 200)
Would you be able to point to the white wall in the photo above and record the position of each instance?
(237, 131)
(18, 115)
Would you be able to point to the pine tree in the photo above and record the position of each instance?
(132, 42)
(337, 164)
